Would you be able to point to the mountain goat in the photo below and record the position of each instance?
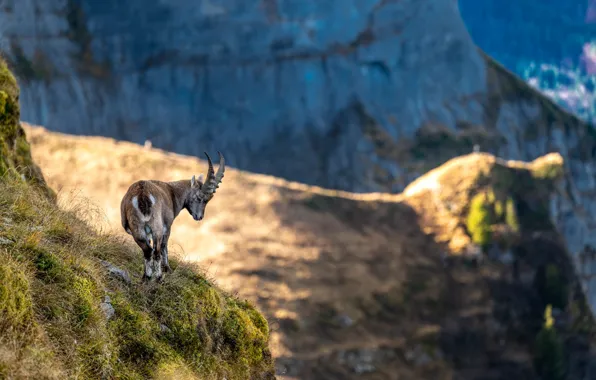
(149, 208)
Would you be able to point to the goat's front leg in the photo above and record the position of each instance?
(164, 251)
(147, 253)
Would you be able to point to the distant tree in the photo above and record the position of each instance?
(548, 355)
(511, 218)
(479, 221)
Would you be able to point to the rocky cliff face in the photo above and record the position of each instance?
(358, 95)
(296, 81)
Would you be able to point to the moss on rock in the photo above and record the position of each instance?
(15, 153)
(16, 306)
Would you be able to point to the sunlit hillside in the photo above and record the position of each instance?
(369, 286)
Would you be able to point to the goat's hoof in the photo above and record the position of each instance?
(166, 268)
(145, 279)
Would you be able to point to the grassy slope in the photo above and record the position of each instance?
(52, 285)
(354, 285)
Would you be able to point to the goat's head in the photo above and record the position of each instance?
(202, 192)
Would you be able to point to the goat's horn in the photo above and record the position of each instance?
(210, 171)
(210, 183)
(221, 169)
(213, 180)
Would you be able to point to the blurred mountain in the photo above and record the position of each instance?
(551, 46)
(293, 89)
(517, 33)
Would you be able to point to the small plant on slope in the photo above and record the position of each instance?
(479, 221)
(548, 356)
(511, 218)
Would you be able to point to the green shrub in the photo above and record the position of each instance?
(479, 221)
(548, 355)
(511, 218)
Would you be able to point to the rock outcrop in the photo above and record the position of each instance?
(354, 95)
(15, 153)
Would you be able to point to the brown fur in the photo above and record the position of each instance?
(149, 208)
(170, 199)
(170, 195)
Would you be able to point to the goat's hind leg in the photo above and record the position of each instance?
(164, 261)
(164, 252)
(157, 258)
(148, 255)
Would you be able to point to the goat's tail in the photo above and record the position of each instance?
(144, 201)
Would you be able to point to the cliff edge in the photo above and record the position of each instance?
(71, 301)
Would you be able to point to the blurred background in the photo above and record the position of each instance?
(288, 87)
(356, 96)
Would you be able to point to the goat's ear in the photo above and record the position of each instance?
(193, 181)
(201, 178)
